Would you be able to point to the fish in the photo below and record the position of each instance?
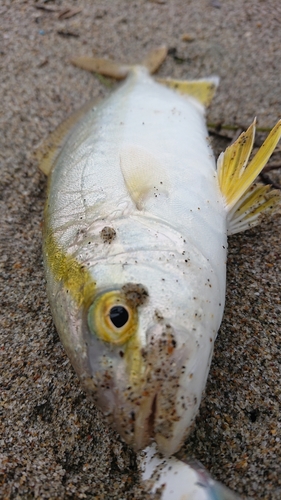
(135, 244)
(179, 480)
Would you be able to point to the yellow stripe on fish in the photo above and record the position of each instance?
(66, 269)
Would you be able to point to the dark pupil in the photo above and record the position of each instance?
(119, 316)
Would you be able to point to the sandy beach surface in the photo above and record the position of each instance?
(53, 441)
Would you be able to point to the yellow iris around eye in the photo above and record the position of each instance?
(112, 319)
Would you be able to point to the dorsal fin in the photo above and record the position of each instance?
(143, 174)
(49, 150)
(244, 201)
(258, 200)
(203, 89)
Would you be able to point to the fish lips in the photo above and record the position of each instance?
(161, 402)
(171, 358)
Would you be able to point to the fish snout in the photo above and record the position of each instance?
(166, 404)
(152, 392)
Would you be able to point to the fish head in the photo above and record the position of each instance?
(139, 329)
(142, 345)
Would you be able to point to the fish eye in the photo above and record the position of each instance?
(111, 318)
(119, 316)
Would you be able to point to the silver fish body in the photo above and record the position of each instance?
(135, 225)
(135, 240)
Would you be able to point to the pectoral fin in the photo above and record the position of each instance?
(246, 202)
(143, 174)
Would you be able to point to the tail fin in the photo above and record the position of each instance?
(202, 90)
(155, 58)
(119, 71)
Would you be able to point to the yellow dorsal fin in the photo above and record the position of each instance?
(49, 150)
(232, 163)
(246, 202)
(258, 201)
(143, 174)
(234, 175)
(119, 71)
(202, 90)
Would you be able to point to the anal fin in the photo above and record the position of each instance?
(49, 150)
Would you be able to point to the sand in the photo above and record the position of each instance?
(53, 441)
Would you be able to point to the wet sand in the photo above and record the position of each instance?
(53, 441)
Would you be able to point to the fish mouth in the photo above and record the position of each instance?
(155, 395)
(151, 417)
(145, 423)
(164, 398)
